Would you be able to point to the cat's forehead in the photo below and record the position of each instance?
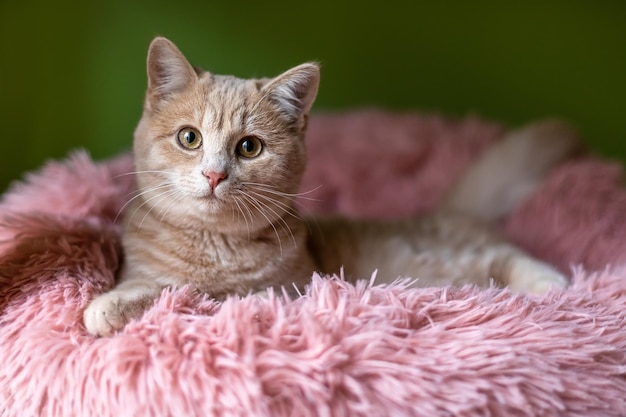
(226, 98)
(225, 89)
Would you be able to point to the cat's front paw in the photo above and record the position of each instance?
(104, 315)
(531, 276)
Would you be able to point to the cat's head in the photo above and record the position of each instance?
(219, 149)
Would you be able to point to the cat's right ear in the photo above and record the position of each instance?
(295, 90)
(169, 72)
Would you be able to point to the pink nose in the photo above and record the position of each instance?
(215, 177)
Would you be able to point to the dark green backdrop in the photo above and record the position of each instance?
(72, 73)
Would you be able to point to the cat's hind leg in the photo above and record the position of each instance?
(523, 273)
(533, 276)
(111, 311)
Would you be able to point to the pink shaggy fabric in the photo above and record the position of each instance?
(340, 350)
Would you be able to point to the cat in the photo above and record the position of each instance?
(218, 164)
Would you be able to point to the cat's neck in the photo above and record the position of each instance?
(216, 261)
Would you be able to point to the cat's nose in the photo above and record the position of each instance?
(215, 177)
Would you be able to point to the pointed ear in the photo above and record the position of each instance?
(169, 72)
(295, 90)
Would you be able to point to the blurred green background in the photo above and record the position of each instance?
(72, 74)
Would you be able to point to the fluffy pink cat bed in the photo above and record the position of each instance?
(340, 350)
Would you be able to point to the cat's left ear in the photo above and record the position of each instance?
(169, 72)
(295, 90)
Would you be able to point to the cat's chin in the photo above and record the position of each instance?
(216, 207)
(212, 204)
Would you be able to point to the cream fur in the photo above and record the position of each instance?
(245, 234)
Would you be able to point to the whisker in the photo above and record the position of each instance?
(294, 212)
(233, 211)
(143, 172)
(292, 197)
(164, 212)
(279, 204)
(268, 188)
(164, 193)
(280, 218)
(163, 196)
(260, 210)
(237, 202)
(139, 194)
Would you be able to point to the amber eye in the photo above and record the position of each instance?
(189, 138)
(249, 147)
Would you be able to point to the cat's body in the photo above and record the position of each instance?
(218, 165)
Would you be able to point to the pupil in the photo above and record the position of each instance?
(248, 146)
(190, 137)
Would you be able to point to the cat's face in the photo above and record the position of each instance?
(222, 151)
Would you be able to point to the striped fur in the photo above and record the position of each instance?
(243, 234)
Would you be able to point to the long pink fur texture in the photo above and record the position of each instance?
(340, 350)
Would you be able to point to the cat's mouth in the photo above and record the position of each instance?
(214, 199)
(210, 194)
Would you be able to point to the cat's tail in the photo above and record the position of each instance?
(511, 169)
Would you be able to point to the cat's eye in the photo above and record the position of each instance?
(189, 138)
(249, 147)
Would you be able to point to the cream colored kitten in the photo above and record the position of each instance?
(218, 162)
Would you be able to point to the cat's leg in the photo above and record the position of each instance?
(474, 247)
(523, 273)
(111, 311)
(440, 266)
